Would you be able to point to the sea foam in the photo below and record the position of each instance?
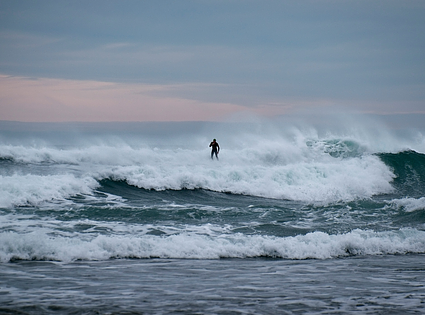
(29, 189)
(38, 245)
(257, 159)
(275, 168)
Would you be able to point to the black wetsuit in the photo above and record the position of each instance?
(215, 149)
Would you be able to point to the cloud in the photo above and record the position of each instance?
(43, 100)
(274, 56)
(46, 99)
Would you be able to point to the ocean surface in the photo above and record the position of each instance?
(135, 218)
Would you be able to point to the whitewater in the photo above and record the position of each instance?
(116, 217)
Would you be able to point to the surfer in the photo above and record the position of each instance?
(215, 148)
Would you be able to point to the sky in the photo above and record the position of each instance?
(208, 60)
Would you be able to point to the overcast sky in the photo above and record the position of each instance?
(208, 59)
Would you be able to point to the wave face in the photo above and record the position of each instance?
(409, 171)
(151, 190)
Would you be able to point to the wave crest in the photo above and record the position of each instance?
(315, 245)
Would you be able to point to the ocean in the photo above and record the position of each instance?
(136, 218)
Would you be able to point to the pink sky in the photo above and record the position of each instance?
(56, 100)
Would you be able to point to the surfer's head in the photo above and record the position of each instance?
(213, 139)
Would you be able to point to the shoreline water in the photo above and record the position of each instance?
(367, 285)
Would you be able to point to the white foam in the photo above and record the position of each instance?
(39, 245)
(31, 189)
(119, 154)
(293, 164)
(273, 168)
(410, 204)
(324, 179)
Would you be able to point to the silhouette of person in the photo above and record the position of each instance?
(215, 148)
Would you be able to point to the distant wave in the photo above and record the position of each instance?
(327, 170)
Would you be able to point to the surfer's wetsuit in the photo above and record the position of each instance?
(215, 149)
